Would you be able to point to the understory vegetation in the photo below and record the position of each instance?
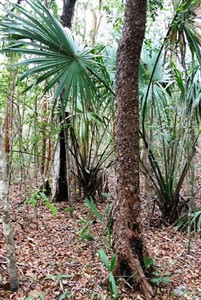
(57, 133)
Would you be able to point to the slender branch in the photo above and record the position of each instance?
(153, 71)
(102, 81)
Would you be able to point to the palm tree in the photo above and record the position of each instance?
(183, 33)
(60, 174)
(59, 62)
(167, 172)
(152, 93)
(53, 54)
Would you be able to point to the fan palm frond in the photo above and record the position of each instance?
(53, 54)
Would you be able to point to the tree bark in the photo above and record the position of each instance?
(59, 167)
(4, 195)
(44, 134)
(60, 189)
(126, 229)
(68, 12)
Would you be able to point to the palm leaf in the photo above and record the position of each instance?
(184, 28)
(55, 54)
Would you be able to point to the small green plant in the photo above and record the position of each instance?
(106, 195)
(159, 278)
(148, 262)
(91, 205)
(102, 218)
(70, 210)
(65, 295)
(40, 296)
(86, 232)
(195, 221)
(110, 267)
(81, 221)
(58, 277)
(40, 197)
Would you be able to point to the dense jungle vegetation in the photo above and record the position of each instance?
(100, 149)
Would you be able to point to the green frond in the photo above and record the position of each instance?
(53, 54)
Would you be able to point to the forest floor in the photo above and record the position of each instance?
(55, 261)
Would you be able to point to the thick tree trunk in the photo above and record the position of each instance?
(127, 237)
(4, 196)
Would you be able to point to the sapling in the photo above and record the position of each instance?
(7, 229)
(110, 267)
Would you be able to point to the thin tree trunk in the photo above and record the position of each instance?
(148, 188)
(97, 17)
(44, 134)
(191, 185)
(68, 12)
(7, 131)
(60, 190)
(126, 229)
(49, 155)
(4, 194)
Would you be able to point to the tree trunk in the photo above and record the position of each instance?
(60, 189)
(59, 167)
(68, 12)
(4, 195)
(44, 134)
(126, 229)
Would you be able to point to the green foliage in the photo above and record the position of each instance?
(51, 207)
(57, 57)
(40, 197)
(148, 262)
(38, 296)
(86, 232)
(102, 217)
(153, 8)
(183, 31)
(91, 205)
(169, 107)
(80, 77)
(90, 157)
(166, 126)
(110, 266)
(154, 75)
(70, 210)
(91, 132)
(58, 277)
(195, 220)
(114, 11)
(160, 279)
(65, 295)
(157, 277)
(194, 92)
